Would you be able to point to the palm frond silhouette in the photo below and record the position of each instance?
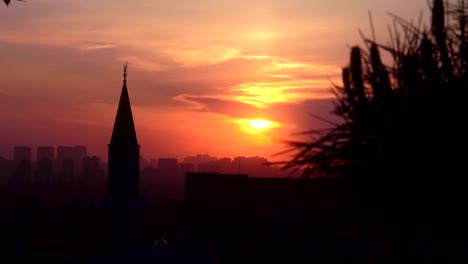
(398, 114)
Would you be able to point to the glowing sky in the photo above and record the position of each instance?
(199, 71)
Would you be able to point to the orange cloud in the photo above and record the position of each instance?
(196, 67)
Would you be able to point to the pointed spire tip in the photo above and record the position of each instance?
(125, 71)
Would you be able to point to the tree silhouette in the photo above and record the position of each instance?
(398, 114)
(403, 126)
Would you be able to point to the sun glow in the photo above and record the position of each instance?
(260, 124)
(256, 125)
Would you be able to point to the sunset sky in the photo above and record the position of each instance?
(218, 77)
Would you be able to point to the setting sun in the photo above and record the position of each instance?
(256, 125)
(260, 124)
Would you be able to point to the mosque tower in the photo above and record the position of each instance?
(124, 151)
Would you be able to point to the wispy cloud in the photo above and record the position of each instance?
(97, 46)
(198, 66)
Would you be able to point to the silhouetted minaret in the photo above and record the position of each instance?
(124, 151)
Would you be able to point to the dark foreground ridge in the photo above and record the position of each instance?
(225, 218)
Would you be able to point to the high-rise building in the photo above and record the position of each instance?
(168, 166)
(91, 168)
(21, 153)
(22, 163)
(153, 163)
(63, 152)
(68, 171)
(79, 154)
(5, 170)
(45, 152)
(124, 151)
(187, 167)
(44, 165)
(75, 154)
(143, 163)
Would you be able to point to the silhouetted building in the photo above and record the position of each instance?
(68, 171)
(208, 167)
(198, 159)
(153, 163)
(63, 152)
(91, 168)
(78, 155)
(75, 153)
(168, 166)
(217, 208)
(235, 214)
(253, 166)
(187, 167)
(143, 163)
(225, 165)
(45, 164)
(22, 160)
(6, 167)
(45, 152)
(44, 170)
(22, 153)
(124, 151)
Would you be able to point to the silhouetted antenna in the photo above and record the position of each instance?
(125, 72)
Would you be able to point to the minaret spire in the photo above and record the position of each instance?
(124, 151)
(125, 72)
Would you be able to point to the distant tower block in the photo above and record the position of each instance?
(63, 153)
(124, 151)
(22, 153)
(22, 164)
(45, 164)
(79, 154)
(45, 152)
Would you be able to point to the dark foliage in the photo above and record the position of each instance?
(400, 143)
(407, 113)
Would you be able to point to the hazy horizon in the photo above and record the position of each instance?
(199, 71)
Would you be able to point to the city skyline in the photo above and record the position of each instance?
(57, 153)
(202, 81)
